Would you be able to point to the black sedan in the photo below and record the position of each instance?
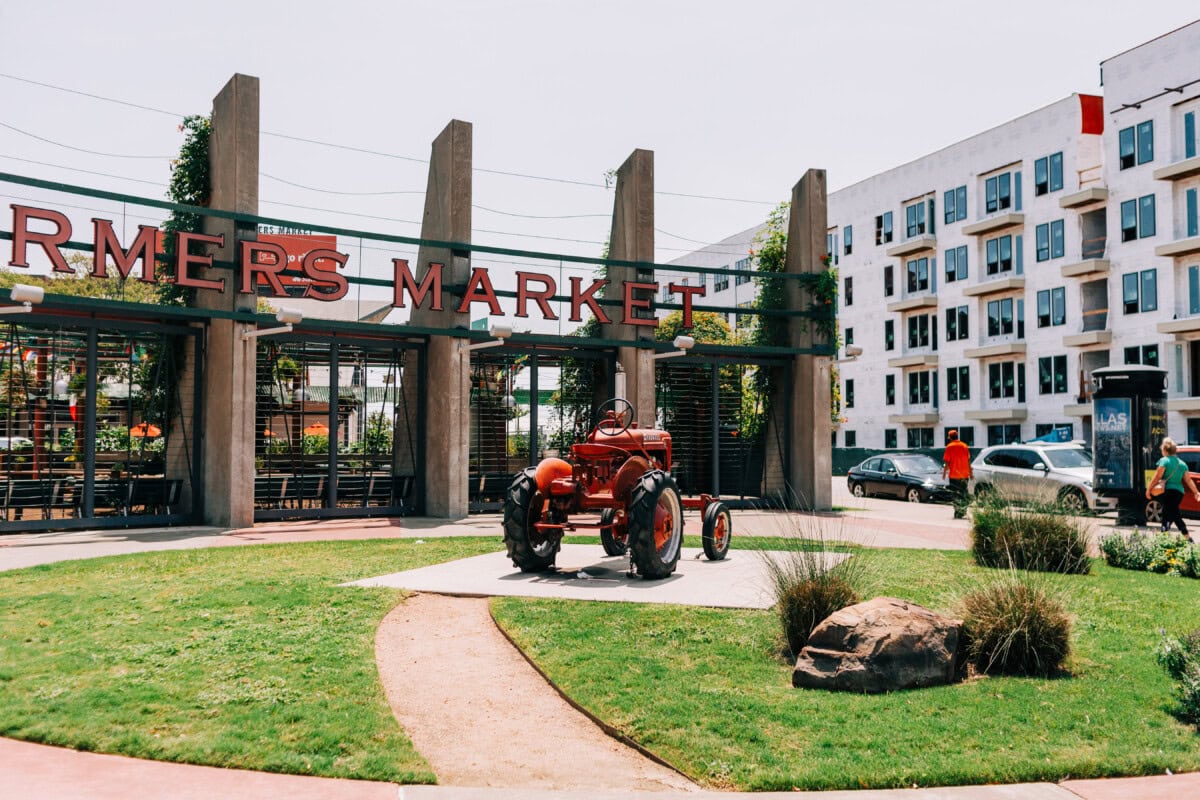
(909, 476)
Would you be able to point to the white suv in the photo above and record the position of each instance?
(1045, 472)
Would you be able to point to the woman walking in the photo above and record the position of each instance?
(1173, 474)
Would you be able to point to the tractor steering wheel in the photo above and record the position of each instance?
(610, 421)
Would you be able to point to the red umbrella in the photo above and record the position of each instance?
(317, 429)
(144, 430)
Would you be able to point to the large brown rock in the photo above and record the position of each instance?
(881, 645)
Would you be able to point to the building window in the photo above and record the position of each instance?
(914, 219)
(918, 387)
(1048, 174)
(999, 255)
(743, 268)
(889, 390)
(721, 282)
(1136, 144)
(955, 203)
(1051, 307)
(831, 246)
(1003, 434)
(918, 275)
(997, 192)
(956, 323)
(889, 334)
(1140, 291)
(848, 240)
(850, 393)
(918, 331)
(883, 228)
(1001, 319)
(1050, 240)
(1192, 212)
(851, 439)
(848, 292)
(1137, 218)
(920, 437)
(956, 264)
(745, 321)
(1193, 431)
(889, 285)
(966, 435)
(1146, 355)
(1067, 428)
(958, 383)
(1052, 375)
(1006, 379)
(889, 438)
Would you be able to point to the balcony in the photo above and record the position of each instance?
(1087, 338)
(1088, 268)
(1013, 348)
(1179, 170)
(914, 416)
(914, 302)
(1184, 405)
(1181, 325)
(994, 223)
(1011, 283)
(1084, 197)
(917, 359)
(1078, 409)
(1179, 247)
(1014, 413)
(925, 241)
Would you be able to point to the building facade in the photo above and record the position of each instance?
(983, 283)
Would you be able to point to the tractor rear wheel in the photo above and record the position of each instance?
(718, 528)
(655, 524)
(615, 542)
(523, 506)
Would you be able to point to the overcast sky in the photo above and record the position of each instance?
(735, 99)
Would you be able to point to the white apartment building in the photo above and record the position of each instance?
(982, 284)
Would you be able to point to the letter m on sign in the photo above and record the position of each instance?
(405, 282)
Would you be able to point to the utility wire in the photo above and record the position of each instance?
(77, 149)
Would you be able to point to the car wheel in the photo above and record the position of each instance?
(1072, 501)
(858, 490)
(1154, 512)
(914, 495)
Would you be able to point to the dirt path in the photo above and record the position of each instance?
(482, 716)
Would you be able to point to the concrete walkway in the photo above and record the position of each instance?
(50, 773)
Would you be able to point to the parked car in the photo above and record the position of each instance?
(1039, 471)
(1190, 455)
(913, 477)
(15, 443)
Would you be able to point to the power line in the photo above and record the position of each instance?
(77, 149)
(84, 171)
(345, 194)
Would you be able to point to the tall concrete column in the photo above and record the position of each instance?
(632, 239)
(810, 453)
(229, 375)
(448, 388)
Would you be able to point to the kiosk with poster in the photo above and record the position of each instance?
(1129, 422)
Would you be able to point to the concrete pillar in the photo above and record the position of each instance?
(448, 388)
(229, 375)
(810, 453)
(632, 239)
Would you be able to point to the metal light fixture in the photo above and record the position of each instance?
(682, 345)
(25, 294)
(287, 316)
(498, 333)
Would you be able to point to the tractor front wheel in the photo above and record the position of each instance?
(523, 507)
(655, 524)
(613, 535)
(718, 528)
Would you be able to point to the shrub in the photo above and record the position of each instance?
(1166, 553)
(1039, 537)
(1014, 626)
(808, 578)
(1181, 659)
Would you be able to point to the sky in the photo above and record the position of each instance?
(736, 100)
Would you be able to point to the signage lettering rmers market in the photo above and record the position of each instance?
(265, 262)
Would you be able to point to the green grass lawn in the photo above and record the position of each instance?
(243, 656)
(253, 657)
(706, 690)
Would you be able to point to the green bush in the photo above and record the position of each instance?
(1181, 659)
(1040, 538)
(1015, 627)
(1166, 553)
(805, 604)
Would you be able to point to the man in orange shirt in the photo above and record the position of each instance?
(956, 463)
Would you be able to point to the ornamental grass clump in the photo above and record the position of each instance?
(1180, 657)
(1016, 626)
(1039, 537)
(810, 579)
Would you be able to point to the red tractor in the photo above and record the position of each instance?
(622, 473)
